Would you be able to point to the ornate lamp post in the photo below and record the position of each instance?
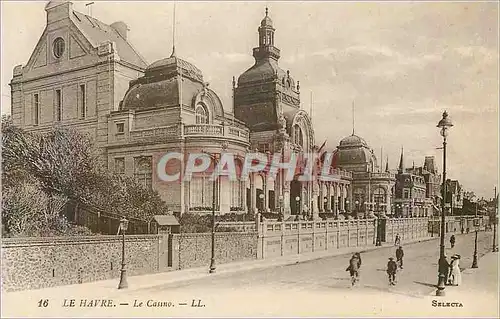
(346, 209)
(214, 185)
(444, 124)
(325, 201)
(123, 273)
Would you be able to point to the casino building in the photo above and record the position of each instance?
(86, 74)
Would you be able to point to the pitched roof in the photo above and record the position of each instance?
(98, 32)
(166, 220)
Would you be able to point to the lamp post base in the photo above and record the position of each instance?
(123, 279)
(474, 261)
(212, 267)
(440, 287)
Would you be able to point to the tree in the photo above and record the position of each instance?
(60, 166)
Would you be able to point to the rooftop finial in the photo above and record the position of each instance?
(352, 117)
(173, 34)
(267, 11)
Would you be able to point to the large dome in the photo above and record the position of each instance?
(354, 154)
(160, 87)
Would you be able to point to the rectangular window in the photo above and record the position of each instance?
(83, 100)
(120, 128)
(36, 108)
(143, 172)
(120, 165)
(406, 194)
(58, 105)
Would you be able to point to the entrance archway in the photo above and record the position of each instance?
(295, 190)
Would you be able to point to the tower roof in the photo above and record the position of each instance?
(266, 22)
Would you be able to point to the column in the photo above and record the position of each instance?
(349, 196)
(388, 201)
(329, 196)
(321, 195)
(253, 193)
(266, 195)
(315, 193)
(342, 198)
(286, 199)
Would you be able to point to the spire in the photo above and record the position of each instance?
(387, 165)
(401, 167)
(173, 34)
(267, 11)
(352, 117)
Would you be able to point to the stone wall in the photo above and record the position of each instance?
(32, 263)
(288, 238)
(194, 250)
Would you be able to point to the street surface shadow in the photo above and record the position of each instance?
(392, 290)
(425, 284)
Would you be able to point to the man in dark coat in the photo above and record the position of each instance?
(399, 256)
(354, 264)
(452, 241)
(392, 267)
(444, 267)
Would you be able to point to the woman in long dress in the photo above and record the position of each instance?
(455, 276)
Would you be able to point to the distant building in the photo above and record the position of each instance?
(371, 188)
(454, 196)
(415, 190)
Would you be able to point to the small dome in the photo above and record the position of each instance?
(352, 141)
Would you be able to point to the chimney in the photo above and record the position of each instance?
(58, 10)
(121, 27)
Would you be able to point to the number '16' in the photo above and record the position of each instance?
(43, 303)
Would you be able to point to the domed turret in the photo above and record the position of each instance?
(354, 154)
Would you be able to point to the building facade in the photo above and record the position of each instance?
(410, 192)
(85, 74)
(77, 74)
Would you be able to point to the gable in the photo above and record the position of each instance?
(75, 48)
(40, 58)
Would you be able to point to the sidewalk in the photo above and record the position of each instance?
(108, 288)
(479, 289)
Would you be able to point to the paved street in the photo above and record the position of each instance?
(318, 288)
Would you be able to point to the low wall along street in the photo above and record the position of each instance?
(33, 263)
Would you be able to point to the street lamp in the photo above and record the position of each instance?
(444, 124)
(123, 273)
(325, 201)
(212, 256)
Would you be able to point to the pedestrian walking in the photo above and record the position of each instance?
(353, 268)
(455, 275)
(397, 241)
(399, 256)
(391, 271)
(452, 241)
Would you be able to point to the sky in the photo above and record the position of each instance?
(401, 64)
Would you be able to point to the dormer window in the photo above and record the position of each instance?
(201, 115)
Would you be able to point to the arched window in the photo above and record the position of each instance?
(201, 115)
